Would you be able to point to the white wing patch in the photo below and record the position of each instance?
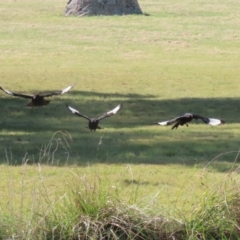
(73, 110)
(115, 110)
(214, 122)
(163, 123)
(66, 89)
(6, 91)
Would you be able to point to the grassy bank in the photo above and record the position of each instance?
(159, 66)
(118, 202)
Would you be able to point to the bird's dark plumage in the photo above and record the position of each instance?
(38, 99)
(188, 117)
(93, 122)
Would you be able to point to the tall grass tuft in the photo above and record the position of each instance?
(216, 215)
(95, 210)
(56, 145)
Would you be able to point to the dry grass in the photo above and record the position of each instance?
(116, 202)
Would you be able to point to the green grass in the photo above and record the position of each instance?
(159, 66)
(182, 56)
(40, 202)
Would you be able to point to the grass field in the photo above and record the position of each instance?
(181, 56)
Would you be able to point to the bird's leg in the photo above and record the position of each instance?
(187, 124)
(175, 126)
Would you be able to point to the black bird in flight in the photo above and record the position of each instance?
(188, 117)
(38, 99)
(93, 122)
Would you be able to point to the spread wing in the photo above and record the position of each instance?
(65, 90)
(76, 112)
(168, 122)
(210, 121)
(110, 113)
(16, 94)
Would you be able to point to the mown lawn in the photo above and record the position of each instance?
(181, 56)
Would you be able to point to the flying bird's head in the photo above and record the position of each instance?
(188, 115)
(93, 120)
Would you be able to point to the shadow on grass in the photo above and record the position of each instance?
(127, 137)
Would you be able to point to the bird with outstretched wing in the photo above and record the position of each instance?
(188, 117)
(38, 100)
(93, 122)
